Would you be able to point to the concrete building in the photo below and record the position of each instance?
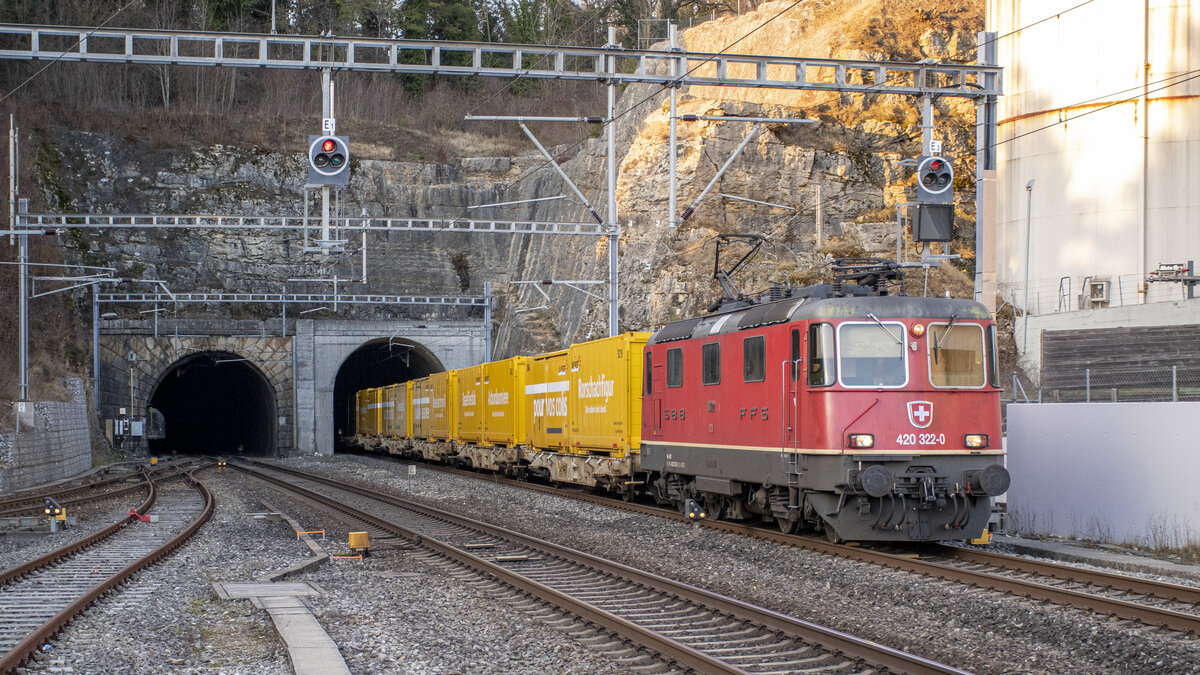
(1098, 156)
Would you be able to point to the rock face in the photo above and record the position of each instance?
(850, 158)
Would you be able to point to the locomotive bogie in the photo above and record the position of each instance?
(605, 395)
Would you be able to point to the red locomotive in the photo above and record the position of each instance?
(835, 407)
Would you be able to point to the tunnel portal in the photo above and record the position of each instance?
(375, 364)
(215, 403)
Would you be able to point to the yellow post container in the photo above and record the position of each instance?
(407, 429)
(387, 410)
(504, 403)
(605, 397)
(374, 412)
(359, 541)
(443, 418)
(546, 388)
(395, 410)
(422, 417)
(360, 412)
(470, 402)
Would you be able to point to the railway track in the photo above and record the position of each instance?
(1165, 605)
(31, 502)
(39, 598)
(691, 628)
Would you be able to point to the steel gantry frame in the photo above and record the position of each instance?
(611, 64)
(194, 48)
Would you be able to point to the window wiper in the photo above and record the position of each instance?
(937, 342)
(885, 329)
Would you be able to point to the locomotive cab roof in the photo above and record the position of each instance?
(814, 303)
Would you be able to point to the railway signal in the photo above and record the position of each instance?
(935, 180)
(329, 160)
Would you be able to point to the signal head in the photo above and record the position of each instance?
(328, 160)
(935, 181)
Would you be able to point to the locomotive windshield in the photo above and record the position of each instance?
(956, 355)
(870, 355)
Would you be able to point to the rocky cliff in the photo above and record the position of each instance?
(850, 157)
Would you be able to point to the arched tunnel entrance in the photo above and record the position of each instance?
(215, 403)
(375, 364)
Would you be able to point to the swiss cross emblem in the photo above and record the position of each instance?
(920, 413)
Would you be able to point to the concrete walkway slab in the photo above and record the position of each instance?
(310, 649)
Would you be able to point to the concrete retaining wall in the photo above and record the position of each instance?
(1111, 472)
(58, 446)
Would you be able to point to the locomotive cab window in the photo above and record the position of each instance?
(647, 373)
(956, 355)
(993, 371)
(754, 359)
(822, 369)
(675, 367)
(710, 357)
(872, 354)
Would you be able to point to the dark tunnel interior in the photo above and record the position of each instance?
(376, 364)
(215, 403)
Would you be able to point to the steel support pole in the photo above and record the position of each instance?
(1028, 223)
(96, 347)
(613, 223)
(673, 144)
(23, 317)
(985, 161)
(12, 176)
(326, 112)
(487, 320)
(926, 124)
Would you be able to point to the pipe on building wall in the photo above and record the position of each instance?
(1143, 194)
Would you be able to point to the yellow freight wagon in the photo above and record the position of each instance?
(546, 386)
(360, 412)
(503, 407)
(443, 420)
(395, 410)
(406, 430)
(470, 401)
(374, 416)
(605, 397)
(422, 422)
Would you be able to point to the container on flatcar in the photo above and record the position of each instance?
(395, 413)
(374, 416)
(502, 403)
(470, 404)
(422, 417)
(361, 410)
(443, 417)
(605, 395)
(546, 395)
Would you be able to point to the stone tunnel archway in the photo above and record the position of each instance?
(374, 364)
(218, 403)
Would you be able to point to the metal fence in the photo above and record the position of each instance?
(1100, 384)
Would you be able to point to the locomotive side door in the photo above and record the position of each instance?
(792, 386)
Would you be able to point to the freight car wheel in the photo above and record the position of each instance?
(787, 526)
(832, 535)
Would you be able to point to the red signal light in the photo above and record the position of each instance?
(328, 145)
(935, 165)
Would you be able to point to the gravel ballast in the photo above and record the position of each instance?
(981, 631)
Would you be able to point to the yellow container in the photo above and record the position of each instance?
(503, 405)
(470, 401)
(360, 412)
(404, 408)
(154, 460)
(374, 412)
(422, 417)
(546, 395)
(605, 399)
(395, 402)
(443, 420)
(359, 541)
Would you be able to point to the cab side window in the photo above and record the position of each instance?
(822, 371)
(710, 357)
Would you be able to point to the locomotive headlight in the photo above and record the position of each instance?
(976, 441)
(917, 330)
(862, 440)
